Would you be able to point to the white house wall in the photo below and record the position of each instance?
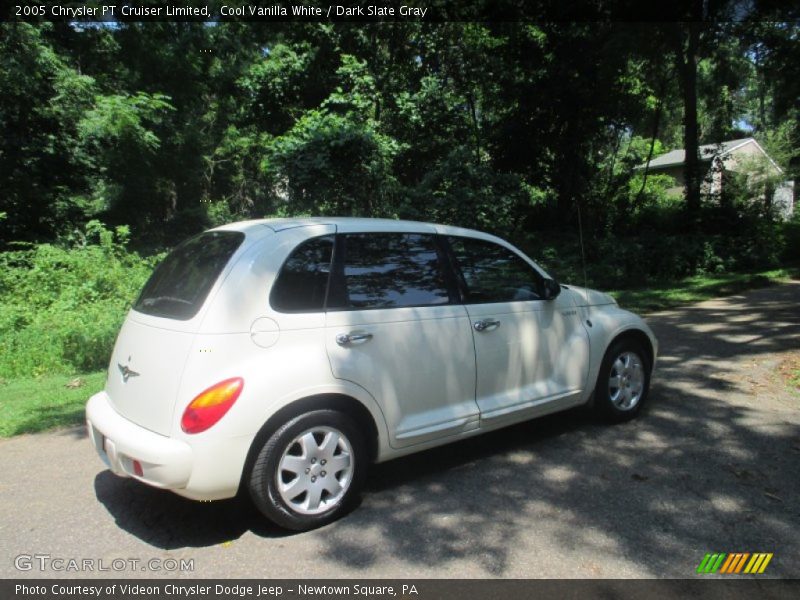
(783, 199)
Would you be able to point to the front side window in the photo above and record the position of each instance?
(492, 273)
(302, 282)
(389, 270)
(179, 285)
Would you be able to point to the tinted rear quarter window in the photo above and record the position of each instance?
(302, 282)
(180, 284)
(389, 270)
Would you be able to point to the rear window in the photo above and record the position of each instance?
(179, 285)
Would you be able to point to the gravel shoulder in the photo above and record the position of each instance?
(712, 465)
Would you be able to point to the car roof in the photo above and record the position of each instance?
(351, 224)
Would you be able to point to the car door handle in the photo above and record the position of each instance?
(486, 324)
(354, 337)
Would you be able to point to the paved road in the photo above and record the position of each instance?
(712, 465)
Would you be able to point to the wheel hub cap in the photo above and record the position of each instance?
(626, 381)
(315, 470)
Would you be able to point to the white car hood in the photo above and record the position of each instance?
(588, 297)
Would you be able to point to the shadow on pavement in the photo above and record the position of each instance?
(168, 521)
(711, 466)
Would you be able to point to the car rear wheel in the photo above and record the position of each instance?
(623, 382)
(310, 471)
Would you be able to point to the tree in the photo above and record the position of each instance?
(44, 172)
(686, 42)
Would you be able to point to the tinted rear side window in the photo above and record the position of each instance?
(179, 285)
(389, 270)
(303, 281)
(493, 273)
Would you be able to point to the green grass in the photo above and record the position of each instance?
(698, 288)
(38, 403)
(794, 378)
(789, 372)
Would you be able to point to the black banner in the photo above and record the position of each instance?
(395, 10)
(731, 588)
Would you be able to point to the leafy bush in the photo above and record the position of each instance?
(791, 250)
(461, 191)
(62, 305)
(330, 164)
(660, 246)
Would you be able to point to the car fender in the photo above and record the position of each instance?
(605, 324)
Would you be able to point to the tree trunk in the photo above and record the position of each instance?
(475, 127)
(656, 126)
(761, 83)
(687, 67)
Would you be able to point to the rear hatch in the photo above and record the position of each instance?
(154, 343)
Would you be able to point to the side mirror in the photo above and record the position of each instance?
(550, 288)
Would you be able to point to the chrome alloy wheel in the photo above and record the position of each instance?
(626, 381)
(315, 470)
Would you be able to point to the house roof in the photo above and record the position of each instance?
(707, 152)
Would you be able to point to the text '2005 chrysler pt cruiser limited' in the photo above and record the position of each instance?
(283, 356)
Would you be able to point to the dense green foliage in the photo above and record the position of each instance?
(154, 131)
(170, 127)
(61, 305)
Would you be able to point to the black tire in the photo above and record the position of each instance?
(299, 513)
(609, 399)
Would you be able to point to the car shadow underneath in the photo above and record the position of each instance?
(168, 521)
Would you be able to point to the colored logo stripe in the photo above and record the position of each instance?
(734, 563)
(711, 563)
(758, 563)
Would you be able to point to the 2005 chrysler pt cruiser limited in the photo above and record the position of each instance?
(284, 356)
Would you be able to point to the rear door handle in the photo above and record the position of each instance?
(486, 324)
(354, 337)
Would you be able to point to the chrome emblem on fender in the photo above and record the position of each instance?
(126, 371)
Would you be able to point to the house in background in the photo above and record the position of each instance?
(723, 161)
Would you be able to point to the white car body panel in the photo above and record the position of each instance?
(426, 377)
(154, 358)
(537, 355)
(424, 394)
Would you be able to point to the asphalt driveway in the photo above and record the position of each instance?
(713, 465)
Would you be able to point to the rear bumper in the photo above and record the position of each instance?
(209, 468)
(165, 462)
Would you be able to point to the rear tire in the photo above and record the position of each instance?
(623, 382)
(310, 471)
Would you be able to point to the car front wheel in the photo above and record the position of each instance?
(623, 382)
(310, 471)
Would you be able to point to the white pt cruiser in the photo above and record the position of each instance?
(283, 356)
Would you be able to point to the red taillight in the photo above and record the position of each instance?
(210, 406)
(137, 468)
